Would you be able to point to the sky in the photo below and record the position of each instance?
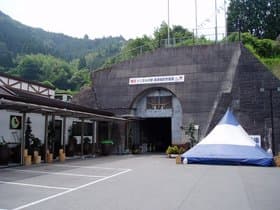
(103, 18)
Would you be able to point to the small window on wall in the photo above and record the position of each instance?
(15, 122)
(69, 98)
(159, 102)
(77, 129)
(58, 97)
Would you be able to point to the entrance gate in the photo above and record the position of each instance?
(159, 115)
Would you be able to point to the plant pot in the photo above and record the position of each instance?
(106, 147)
(4, 155)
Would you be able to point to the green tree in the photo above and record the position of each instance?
(82, 63)
(138, 46)
(80, 78)
(86, 37)
(5, 56)
(161, 34)
(179, 32)
(45, 68)
(30, 68)
(48, 83)
(190, 132)
(179, 35)
(259, 17)
(264, 48)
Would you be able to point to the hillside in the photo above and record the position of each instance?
(66, 62)
(16, 38)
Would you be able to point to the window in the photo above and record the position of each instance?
(58, 97)
(77, 129)
(159, 102)
(69, 98)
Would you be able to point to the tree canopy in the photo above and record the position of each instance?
(266, 50)
(65, 63)
(50, 70)
(259, 17)
(179, 36)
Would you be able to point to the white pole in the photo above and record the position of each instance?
(196, 18)
(168, 31)
(225, 9)
(216, 23)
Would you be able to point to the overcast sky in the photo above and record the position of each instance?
(99, 18)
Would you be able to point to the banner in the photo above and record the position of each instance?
(156, 79)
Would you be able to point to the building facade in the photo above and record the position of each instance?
(163, 92)
(32, 120)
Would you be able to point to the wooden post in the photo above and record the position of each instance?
(82, 136)
(64, 134)
(126, 136)
(94, 137)
(110, 126)
(23, 138)
(46, 136)
(53, 130)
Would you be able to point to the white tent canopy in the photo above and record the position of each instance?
(228, 143)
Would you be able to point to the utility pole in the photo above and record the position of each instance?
(216, 23)
(168, 30)
(225, 10)
(195, 18)
(272, 122)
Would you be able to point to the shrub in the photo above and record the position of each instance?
(168, 150)
(172, 150)
(181, 150)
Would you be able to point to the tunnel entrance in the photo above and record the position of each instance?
(156, 132)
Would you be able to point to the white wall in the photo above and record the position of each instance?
(5, 130)
(37, 126)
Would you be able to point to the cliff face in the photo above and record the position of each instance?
(216, 77)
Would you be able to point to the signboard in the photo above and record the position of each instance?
(15, 122)
(156, 79)
(257, 139)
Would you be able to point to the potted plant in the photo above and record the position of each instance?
(106, 146)
(136, 149)
(72, 144)
(87, 146)
(173, 151)
(190, 131)
(4, 152)
(35, 145)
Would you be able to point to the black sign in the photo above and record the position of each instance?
(15, 122)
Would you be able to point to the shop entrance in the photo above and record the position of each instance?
(156, 133)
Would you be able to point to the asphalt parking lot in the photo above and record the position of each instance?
(140, 182)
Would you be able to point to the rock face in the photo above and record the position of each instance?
(215, 77)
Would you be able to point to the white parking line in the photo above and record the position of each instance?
(57, 173)
(89, 167)
(70, 190)
(35, 185)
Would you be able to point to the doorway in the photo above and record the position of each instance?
(156, 132)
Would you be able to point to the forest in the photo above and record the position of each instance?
(65, 62)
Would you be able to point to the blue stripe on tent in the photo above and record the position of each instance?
(228, 154)
(228, 118)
